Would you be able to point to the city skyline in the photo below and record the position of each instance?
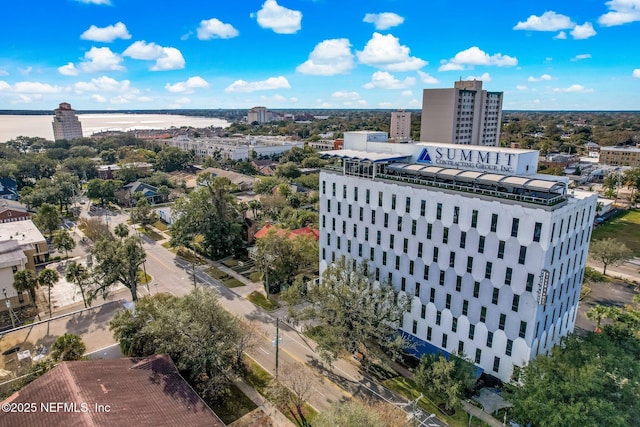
(114, 55)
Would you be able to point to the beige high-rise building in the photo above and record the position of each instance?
(400, 129)
(65, 123)
(466, 114)
(258, 114)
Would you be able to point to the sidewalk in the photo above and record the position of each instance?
(267, 407)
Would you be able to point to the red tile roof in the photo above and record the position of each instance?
(139, 392)
(308, 231)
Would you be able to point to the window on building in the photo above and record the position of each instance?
(416, 291)
(445, 235)
(399, 223)
(419, 249)
(537, 230)
(379, 237)
(415, 327)
(407, 207)
(529, 287)
(397, 262)
(429, 230)
(487, 270)
(392, 241)
(355, 193)
(379, 198)
(483, 314)
(460, 347)
(439, 211)
(478, 355)
(456, 214)
(344, 191)
(503, 320)
(474, 218)
(472, 331)
(515, 303)
(507, 276)
(438, 317)
(429, 333)
(501, 249)
(423, 311)
(366, 234)
(426, 272)
(463, 239)
(324, 187)
(393, 201)
(361, 214)
(403, 285)
(448, 302)
(476, 289)
(442, 276)
(523, 255)
(444, 340)
(515, 223)
(339, 208)
(414, 227)
(481, 245)
(523, 329)
(465, 307)
(367, 195)
(411, 266)
(405, 246)
(495, 296)
(432, 295)
(435, 254)
(452, 259)
(333, 189)
(423, 207)
(373, 217)
(494, 222)
(454, 324)
(384, 258)
(509, 347)
(489, 339)
(496, 364)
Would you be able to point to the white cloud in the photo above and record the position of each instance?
(384, 80)
(187, 86)
(143, 50)
(427, 78)
(25, 71)
(68, 70)
(183, 100)
(120, 100)
(167, 58)
(345, 95)
(548, 21)
(544, 77)
(171, 59)
(216, 29)
(104, 84)
(386, 53)
(560, 36)
(278, 18)
(328, 58)
(574, 89)
(581, 57)
(4, 85)
(98, 98)
(98, 2)
(407, 93)
(475, 56)
(270, 84)
(521, 87)
(584, 31)
(485, 77)
(636, 73)
(36, 88)
(621, 12)
(383, 21)
(106, 34)
(101, 59)
(3, 72)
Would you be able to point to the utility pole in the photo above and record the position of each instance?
(193, 270)
(12, 315)
(276, 343)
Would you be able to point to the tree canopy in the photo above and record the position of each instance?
(353, 312)
(448, 379)
(609, 251)
(118, 261)
(68, 347)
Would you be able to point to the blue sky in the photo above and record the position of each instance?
(156, 54)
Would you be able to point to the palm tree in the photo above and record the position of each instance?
(62, 240)
(68, 347)
(255, 205)
(47, 278)
(78, 274)
(25, 280)
(597, 313)
(121, 230)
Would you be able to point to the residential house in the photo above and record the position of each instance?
(111, 392)
(304, 231)
(11, 211)
(29, 238)
(265, 167)
(8, 189)
(244, 182)
(147, 190)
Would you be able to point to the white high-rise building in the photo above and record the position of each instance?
(400, 129)
(492, 253)
(466, 114)
(65, 123)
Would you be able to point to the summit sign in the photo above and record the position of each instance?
(469, 158)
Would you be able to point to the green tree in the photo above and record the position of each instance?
(590, 381)
(103, 189)
(171, 159)
(288, 170)
(48, 278)
(359, 413)
(353, 312)
(293, 388)
(202, 338)
(94, 228)
(63, 241)
(68, 347)
(209, 215)
(255, 207)
(118, 261)
(26, 281)
(47, 218)
(121, 230)
(609, 251)
(142, 213)
(280, 258)
(449, 379)
(264, 185)
(78, 275)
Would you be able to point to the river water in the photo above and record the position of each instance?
(12, 126)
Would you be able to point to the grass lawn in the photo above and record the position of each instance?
(255, 276)
(259, 299)
(216, 273)
(160, 226)
(625, 228)
(407, 388)
(232, 282)
(150, 233)
(234, 406)
(230, 262)
(260, 379)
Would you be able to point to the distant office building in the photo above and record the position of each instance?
(465, 114)
(258, 114)
(620, 156)
(400, 129)
(66, 124)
